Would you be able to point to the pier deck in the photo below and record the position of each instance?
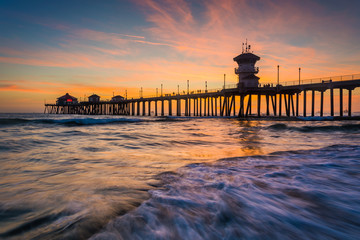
(222, 102)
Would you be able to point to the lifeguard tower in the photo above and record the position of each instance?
(247, 70)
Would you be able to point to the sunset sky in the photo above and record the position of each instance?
(48, 48)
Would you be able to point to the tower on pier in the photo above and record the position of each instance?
(246, 69)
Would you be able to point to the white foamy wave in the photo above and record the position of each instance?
(316, 118)
(92, 121)
(285, 195)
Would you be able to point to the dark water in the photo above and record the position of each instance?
(79, 177)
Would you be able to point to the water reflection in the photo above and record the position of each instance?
(249, 137)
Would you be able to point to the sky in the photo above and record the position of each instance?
(49, 48)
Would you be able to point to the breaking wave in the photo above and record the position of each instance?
(312, 194)
(82, 121)
(346, 127)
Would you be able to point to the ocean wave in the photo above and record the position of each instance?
(346, 127)
(284, 195)
(84, 121)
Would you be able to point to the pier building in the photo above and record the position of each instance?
(94, 98)
(246, 69)
(67, 100)
(117, 98)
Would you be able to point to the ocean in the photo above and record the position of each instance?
(119, 177)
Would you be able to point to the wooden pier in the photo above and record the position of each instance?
(226, 102)
(235, 100)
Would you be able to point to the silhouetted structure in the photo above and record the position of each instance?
(246, 69)
(94, 98)
(221, 102)
(66, 100)
(117, 98)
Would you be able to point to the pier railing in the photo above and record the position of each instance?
(316, 80)
(261, 85)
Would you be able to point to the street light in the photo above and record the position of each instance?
(206, 86)
(299, 75)
(278, 74)
(224, 80)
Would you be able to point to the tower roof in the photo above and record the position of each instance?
(246, 56)
(67, 96)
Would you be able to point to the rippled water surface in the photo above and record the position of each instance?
(79, 177)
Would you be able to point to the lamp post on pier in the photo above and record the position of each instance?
(278, 75)
(188, 87)
(224, 80)
(299, 75)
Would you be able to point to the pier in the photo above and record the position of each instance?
(282, 99)
(223, 102)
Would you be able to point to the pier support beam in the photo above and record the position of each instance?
(143, 108)
(258, 105)
(162, 107)
(138, 109)
(197, 106)
(231, 104)
(292, 104)
(215, 106)
(156, 111)
(149, 108)
(287, 104)
(313, 103)
(170, 108)
(280, 100)
(178, 107)
(267, 105)
(304, 103)
(289, 110)
(321, 103)
(349, 107)
(234, 105)
(205, 107)
(208, 106)
(189, 106)
(220, 111)
(332, 102)
(226, 105)
(341, 101)
(250, 101)
(241, 110)
(297, 104)
(212, 106)
(200, 107)
(273, 101)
